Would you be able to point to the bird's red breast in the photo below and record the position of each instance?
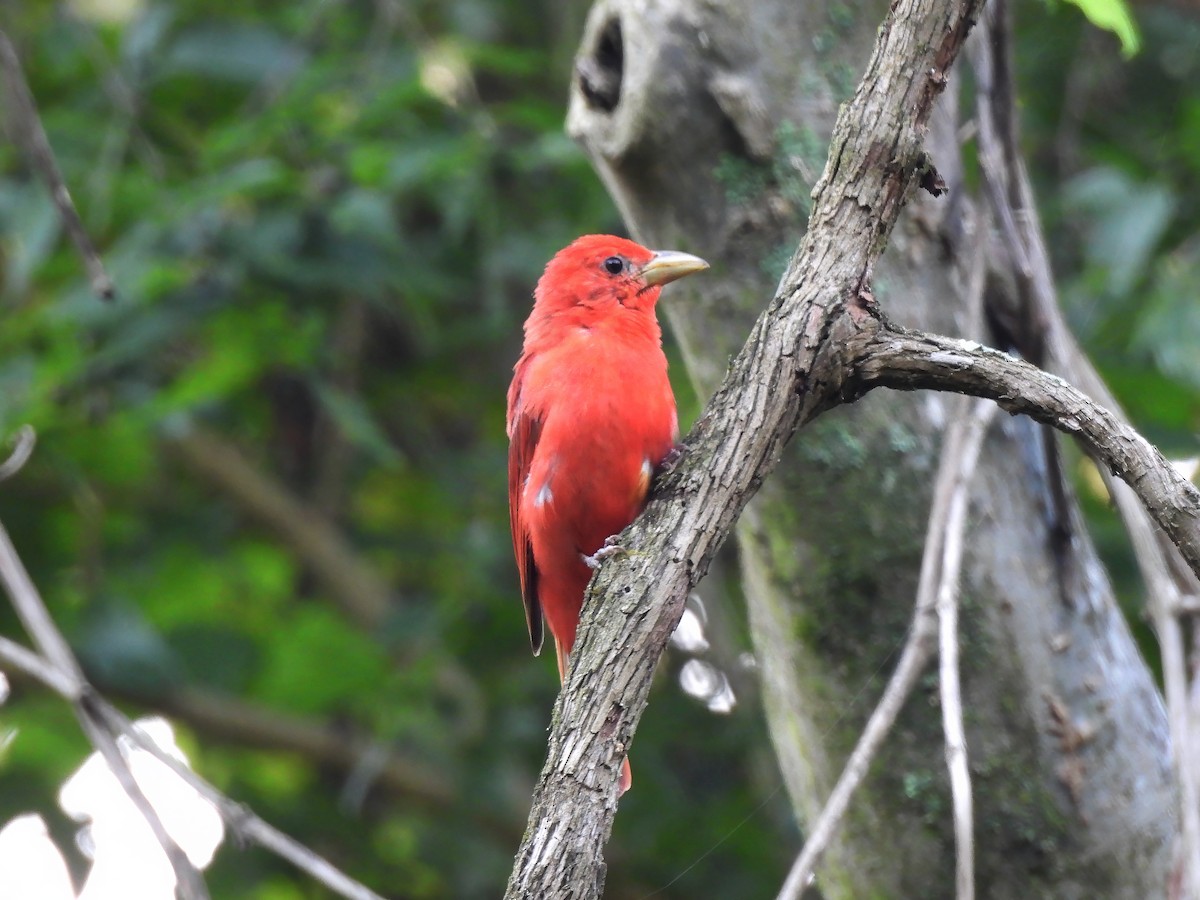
(591, 416)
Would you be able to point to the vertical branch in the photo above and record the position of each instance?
(1168, 581)
(940, 566)
(948, 672)
(949, 680)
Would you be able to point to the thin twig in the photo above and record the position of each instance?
(948, 673)
(957, 463)
(23, 444)
(16, 657)
(25, 127)
(54, 648)
(189, 881)
(102, 721)
(240, 820)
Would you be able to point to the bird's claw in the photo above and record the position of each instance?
(674, 455)
(610, 547)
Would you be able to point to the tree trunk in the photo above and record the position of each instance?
(709, 123)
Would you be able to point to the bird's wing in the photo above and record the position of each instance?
(523, 433)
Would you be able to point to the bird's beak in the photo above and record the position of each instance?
(667, 265)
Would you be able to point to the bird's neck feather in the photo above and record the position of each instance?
(631, 327)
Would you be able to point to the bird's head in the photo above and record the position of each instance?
(603, 273)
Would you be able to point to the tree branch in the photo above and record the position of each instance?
(949, 682)
(237, 817)
(25, 128)
(57, 653)
(911, 361)
(23, 443)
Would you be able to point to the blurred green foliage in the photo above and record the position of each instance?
(324, 220)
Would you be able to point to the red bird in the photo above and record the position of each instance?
(591, 417)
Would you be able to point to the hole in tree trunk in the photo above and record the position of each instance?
(601, 70)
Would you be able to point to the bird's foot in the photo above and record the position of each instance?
(674, 455)
(610, 547)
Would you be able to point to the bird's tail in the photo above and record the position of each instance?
(626, 771)
(561, 655)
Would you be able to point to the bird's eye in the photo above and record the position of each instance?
(614, 265)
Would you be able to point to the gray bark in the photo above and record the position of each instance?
(707, 122)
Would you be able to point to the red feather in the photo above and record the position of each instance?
(591, 415)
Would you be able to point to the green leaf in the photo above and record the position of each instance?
(1114, 16)
(1125, 220)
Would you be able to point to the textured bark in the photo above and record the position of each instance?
(707, 123)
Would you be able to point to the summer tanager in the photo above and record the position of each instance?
(591, 417)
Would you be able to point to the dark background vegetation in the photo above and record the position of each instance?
(324, 220)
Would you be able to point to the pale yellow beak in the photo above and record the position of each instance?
(667, 265)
